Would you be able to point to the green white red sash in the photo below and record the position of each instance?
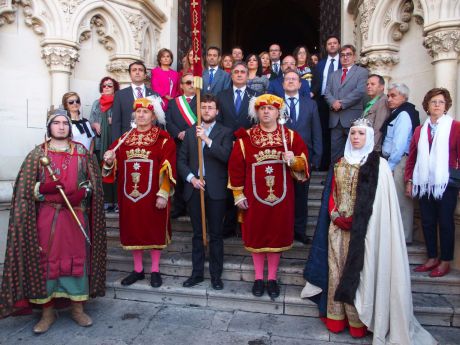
(187, 112)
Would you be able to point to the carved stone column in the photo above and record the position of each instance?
(444, 46)
(60, 57)
(380, 62)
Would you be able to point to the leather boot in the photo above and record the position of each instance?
(79, 316)
(48, 318)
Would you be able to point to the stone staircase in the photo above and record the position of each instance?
(436, 301)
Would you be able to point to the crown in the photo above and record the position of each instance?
(138, 153)
(267, 154)
(361, 122)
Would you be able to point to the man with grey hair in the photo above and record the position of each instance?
(397, 133)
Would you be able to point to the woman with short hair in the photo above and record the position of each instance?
(430, 170)
(165, 80)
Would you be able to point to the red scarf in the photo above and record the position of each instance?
(106, 102)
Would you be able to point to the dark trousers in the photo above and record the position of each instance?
(439, 212)
(339, 136)
(301, 207)
(323, 110)
(215, 210)
(231, 215)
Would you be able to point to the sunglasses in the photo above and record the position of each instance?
(72, 102)
(107, 85)
(188, 82)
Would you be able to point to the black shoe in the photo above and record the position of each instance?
(155, 279)
(273, 289)
(258, 288)
(301, 238)
(133, 277)
(192, 281)
(217, 283)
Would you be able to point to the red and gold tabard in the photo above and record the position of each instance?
(145, 169)
(258, 173)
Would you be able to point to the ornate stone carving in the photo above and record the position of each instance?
(57, 56)
(7, 12)
(118, 66)
(443, 43)
(84, 36)
(403, 24)
(379, 62)
(366, 9)
(137, 22)
(69, 6)
(30, 19)
(387, 17)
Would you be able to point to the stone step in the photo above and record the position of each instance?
(182, 243)
(430, 309)
(290, 270)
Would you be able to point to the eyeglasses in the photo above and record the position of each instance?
(346, 54)
(236, 71)
(437, 102)
(292, 79)
(73, 101)
(107, 85)
(188, 82)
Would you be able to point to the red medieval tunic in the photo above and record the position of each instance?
(145, 165)
(63, 251)
(258, 173)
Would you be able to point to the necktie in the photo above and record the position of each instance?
(238, 100)
(330, 70)
(189, 99)
(292, 112)
(344, 74)
(139, 92)
(211, 76)
(277, 67)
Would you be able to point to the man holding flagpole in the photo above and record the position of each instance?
(217, 142)
(180, 116)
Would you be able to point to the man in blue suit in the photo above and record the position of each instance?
(304, 119)
(323, 70)
(276, 85)
(274, 51)
(214, 78)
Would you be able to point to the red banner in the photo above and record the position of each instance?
(195, 18)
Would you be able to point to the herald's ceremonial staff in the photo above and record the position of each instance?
(195, 19)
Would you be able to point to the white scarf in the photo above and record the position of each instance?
(359, 156)
(431, 172)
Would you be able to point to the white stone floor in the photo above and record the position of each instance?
(120, 322)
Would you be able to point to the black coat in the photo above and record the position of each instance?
(215, 161)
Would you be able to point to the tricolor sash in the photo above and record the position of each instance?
(187, 112)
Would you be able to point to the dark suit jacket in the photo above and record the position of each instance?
(220, 82)
(308, 126)
(227, 112)
(350, 92)
(215, 161)
(122, 110)
(276, 87)
(175, 122)
(318, 73)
